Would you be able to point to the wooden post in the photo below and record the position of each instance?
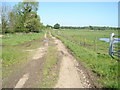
(94, 45)
(85, 42)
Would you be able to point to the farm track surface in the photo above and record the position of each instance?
(29, 74)
(72, 74)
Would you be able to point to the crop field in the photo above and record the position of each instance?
(87, 47)
(15, 46)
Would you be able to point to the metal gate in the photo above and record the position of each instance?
(114, 49)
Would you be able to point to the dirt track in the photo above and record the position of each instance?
(69, 75)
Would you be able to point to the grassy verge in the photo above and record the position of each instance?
(50, 72)
(100, 63)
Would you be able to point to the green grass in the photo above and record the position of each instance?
(91, 38)
(13, 55)
(15, 39)
(50, 77)
(50, 59)
(98, 60)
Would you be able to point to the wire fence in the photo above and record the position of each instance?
(113, 49)
(90, 44)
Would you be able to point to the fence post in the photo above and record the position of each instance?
(85, 42)
(96, 44)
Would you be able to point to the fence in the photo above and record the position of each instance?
(84, 42)
(114, 49)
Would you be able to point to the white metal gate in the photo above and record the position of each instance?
(114, 49)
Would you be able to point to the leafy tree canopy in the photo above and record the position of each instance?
(56, 26)
(24, 18)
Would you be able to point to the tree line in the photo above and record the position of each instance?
(57, 26)
(90, 28)
(22, 17)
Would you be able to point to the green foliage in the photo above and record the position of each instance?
(30, 5)
(89, 28)
(22, 18)
(57, 26)
(0, 28)
(32, 23)
(48, 26)
(5, 17)
(4, 25)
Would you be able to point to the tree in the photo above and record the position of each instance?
(32, 22)
(5, 17)
(25, 17)
(91, 27)
(48, 26)
(0, 28)
(57, 26)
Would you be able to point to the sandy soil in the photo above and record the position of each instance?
(68, 76)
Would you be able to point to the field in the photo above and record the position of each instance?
(87, 47)
(14, 49)
(18, 51)
(14, 39)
